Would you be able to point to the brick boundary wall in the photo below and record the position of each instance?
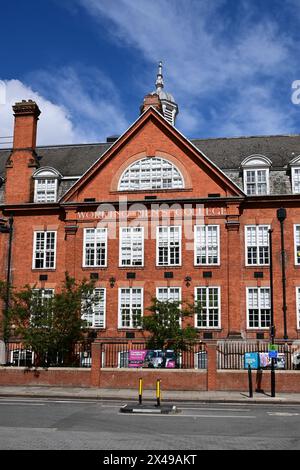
(55, 377)
(186, 379)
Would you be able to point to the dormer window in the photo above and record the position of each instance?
(151, 173)
(256, 175)
(295, 173)
(46, 185)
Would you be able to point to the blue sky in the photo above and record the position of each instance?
(230, 64)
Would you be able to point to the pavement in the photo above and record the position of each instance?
(126, 394)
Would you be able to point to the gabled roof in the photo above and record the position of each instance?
(151, 114)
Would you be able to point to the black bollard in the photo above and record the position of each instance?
(250, 381)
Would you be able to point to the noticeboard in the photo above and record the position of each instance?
(251, 359)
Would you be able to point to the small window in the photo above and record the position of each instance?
(46, 185)
(296, 180)
(256, 175)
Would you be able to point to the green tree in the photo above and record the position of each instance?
(165, 326)
(51, 326)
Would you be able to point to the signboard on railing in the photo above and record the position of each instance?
(152, 358)
(136, 358)
(251, 359)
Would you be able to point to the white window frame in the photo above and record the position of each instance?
(93, 326)
(131, 327)
(265, 328)
(257, 244)
(196, 246)
(121, 237)
(84, 259)
(45, 250)
(294, 169)
(156, 181)
(47, 179)
(42, 290)
(297, 263)
(168, 288)
(256, 170)
(207, 314)
(298, 307)
(157, 245)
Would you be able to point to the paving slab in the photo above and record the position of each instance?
(126, 394)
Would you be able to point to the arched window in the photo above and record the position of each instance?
(256, 175)
(46, 185)
(151, 173)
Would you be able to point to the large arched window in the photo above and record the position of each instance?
(151, 173)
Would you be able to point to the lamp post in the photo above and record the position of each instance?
(281, 216)
(6, 226)
(272, 326)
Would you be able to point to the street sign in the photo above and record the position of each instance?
(273, 354)
(273, 347)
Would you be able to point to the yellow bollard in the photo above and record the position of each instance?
(140, 391)
(158, 392)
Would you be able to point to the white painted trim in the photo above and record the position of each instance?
(46, 172)
(219, 308)
(251, 161)
(195, 244)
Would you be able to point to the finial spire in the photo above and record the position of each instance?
(159, 78)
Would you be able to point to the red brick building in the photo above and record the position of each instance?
(195, 224)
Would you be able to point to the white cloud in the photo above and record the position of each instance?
(208, 55)
(54, 124)
(75, 109)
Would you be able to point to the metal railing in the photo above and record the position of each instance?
(120, 355)
(231, 355)
(17, 355)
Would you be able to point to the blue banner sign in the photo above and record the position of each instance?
(251, 359)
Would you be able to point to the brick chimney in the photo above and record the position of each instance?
(22, 161)
(151, 100)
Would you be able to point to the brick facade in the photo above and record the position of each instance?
(224, 204)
